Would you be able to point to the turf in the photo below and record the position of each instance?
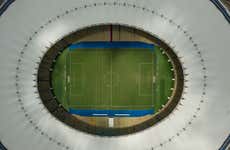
(112, 79)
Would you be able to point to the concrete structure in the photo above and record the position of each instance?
(197, 31)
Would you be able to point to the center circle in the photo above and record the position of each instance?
(110, 80)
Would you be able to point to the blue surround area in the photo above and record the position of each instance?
(111, 113)
(118, 44)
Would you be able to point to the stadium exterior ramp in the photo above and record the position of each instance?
(197, 32)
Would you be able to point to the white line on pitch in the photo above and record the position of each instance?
(100, 114)
(122, 114)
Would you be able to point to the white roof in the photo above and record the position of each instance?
(195, 29)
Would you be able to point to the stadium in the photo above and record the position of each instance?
(114, 75)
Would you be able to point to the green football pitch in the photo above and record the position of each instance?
(112, 79)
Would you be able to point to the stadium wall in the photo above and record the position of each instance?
(226, 144)
(222, 9)
(2, 147)
(5, 4)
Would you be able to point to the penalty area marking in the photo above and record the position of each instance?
(140, 76)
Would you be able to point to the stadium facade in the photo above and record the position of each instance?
(197, 31)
